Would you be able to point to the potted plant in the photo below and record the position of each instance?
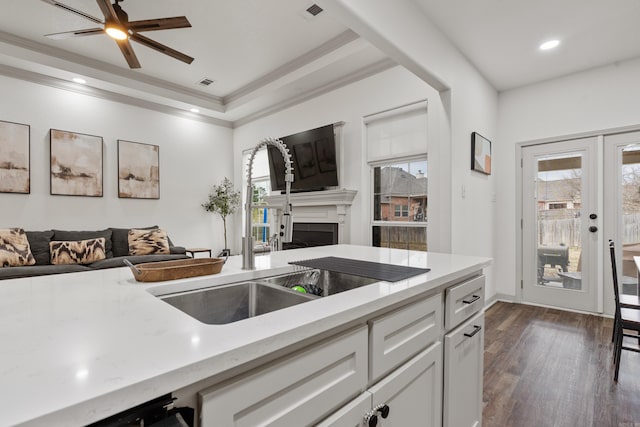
(224, 201)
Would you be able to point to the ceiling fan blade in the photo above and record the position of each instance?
(161, 48)
(128, 53)
(108, 11)
(75, 11)
(77, 33)
(159, 24)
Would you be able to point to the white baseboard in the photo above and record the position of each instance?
(511, 299)
(498, 297)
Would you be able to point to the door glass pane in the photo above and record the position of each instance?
(558, 198)
(630, 201)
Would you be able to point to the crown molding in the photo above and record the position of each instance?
(250, 90)
(57, 83)
(361, 74)
(40, 53)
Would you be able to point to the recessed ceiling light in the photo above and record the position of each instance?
(549, 44)
(194, 110)
(79, 80)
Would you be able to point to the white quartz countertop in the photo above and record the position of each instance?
(76, 348)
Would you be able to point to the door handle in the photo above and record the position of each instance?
(593, 229)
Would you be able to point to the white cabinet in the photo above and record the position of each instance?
(412, 395)
(296, 391)
(413, 392)
(463, 370)
(350, 415)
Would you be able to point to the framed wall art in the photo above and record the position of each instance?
(76, 164)
(138, 170)
(15, 158)
(480, 153)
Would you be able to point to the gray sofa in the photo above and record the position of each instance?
(117, 249)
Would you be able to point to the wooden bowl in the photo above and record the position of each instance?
(177, 269)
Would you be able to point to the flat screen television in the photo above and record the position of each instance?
(313, 158)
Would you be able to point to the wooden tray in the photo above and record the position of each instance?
(177, 269)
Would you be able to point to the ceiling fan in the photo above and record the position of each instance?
(116, 24)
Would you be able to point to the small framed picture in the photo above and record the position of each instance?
(480, 153)
(15, 158)
(76, 164)
(138, 170)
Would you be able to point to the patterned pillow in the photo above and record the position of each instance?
(146, 242)
(77, 252)
(14, 248)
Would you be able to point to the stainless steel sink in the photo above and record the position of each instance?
(229, 303)
(328, 282)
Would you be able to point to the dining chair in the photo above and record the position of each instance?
(626, 300)
(626, 318)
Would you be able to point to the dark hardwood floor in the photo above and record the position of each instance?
(546, 367)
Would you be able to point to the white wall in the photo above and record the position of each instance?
(586, 102)
(193, 156)
(389, 89)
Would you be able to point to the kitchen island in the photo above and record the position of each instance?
(79, 347)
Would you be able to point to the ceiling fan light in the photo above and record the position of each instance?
(116, 31)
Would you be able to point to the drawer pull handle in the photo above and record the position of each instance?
(371, 419)
(383, 409)
(476, 329)
(471, 300)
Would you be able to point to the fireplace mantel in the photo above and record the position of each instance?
(331, 206)
(315, 198)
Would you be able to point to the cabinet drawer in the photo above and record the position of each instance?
(397, 336)
(463, 301)
(296, 391)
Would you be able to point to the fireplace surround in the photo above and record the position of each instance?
(315, 212)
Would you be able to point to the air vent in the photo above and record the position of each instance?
(205, 82)
(314, 9)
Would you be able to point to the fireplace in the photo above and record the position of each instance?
(319, 217)
(308, 234)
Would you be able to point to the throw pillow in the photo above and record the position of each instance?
(77, 252)
(120, 239)
(146, 242)
(14, 248)
(75, 236)
(39, 242)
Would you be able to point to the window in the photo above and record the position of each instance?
(260, 215)
(401, 210)
(397, 154)
(261, 188)
(400, 205)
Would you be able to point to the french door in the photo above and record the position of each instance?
(622, 205)
(560, 224)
